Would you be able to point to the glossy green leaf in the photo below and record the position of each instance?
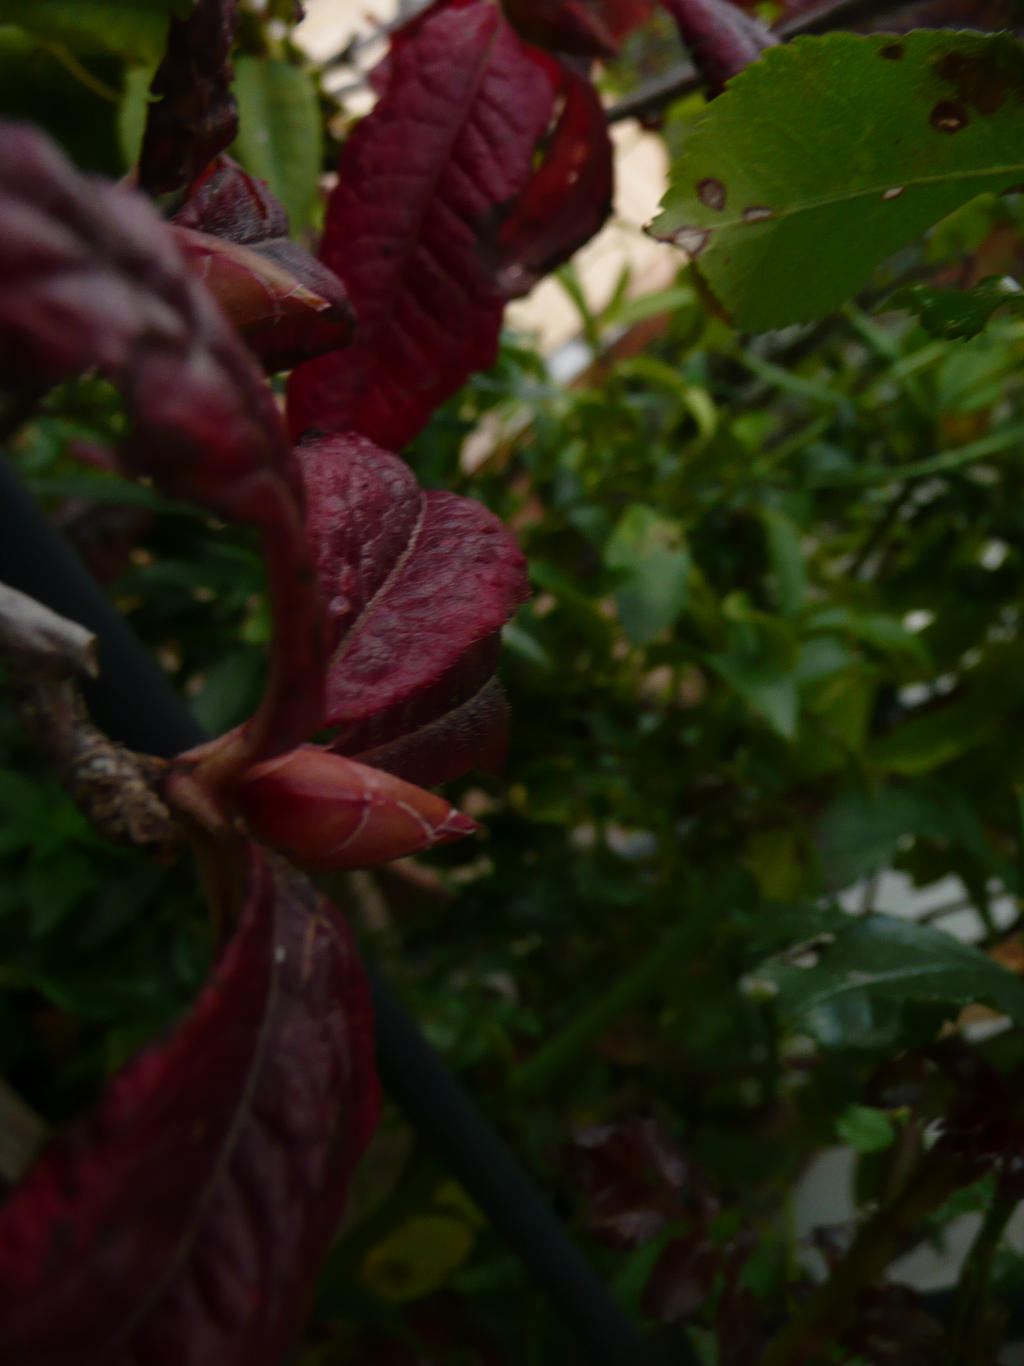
(849, 988)
(884, 633)
(958, 314)
(787, 560)
(651, 551)
(865, 1128)
(136, 29)
(861, 831)
(279, 135)
(829, 153)
(760, 665)
(923, 743)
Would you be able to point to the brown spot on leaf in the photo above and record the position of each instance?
(982, 80)
(711, 192)
(692, 240)
(892, 52)
(894, 192)
(948, 117)
(757, 213)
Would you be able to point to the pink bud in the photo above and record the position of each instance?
(326, 811)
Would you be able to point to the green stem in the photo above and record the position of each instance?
(972, 1305)
(82, 74)
(824, 1316)
(563, 1050)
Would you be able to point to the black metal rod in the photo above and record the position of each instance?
(134, 703)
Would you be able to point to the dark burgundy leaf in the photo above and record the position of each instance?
(227, 202)
(234, 235)
(328, 812)
(893, 1328)
(635, 1181)
(620, 17)
(903, 1080)
(981, 1123)
(562, 25)
(180, 1223)
(438, 1331)
(195, 116)
(721, 38)
(90, 277)
(683, 1277)
(569, 196)
(473, 735)
(739, 1315)
(426, 181)
(417, 586)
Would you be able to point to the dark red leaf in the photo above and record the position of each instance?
(328, 812)
(181, 1222)
(426, 181)
(437, 1331)
(739, 1316)
(981, 1124)
(620, 17)
(892, 1327)
(234, 235)
(471, 735)
(722, 39)
(683, 1277)
(227, 202)
(569, 196)
(90, 277)
(562, 25)
(195, 116)
(417, 586)
(635, 1181)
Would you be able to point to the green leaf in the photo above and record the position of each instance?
(55, 887)
(760, 664)
(279, 136)
(830, 153)
(924, 743)
(865, 1128)
(958, 314)
(136, 29)
(861, 831)
(852, 987)
(885, 633)
(133, 110)
(776, 860)
(787, 560)
(651, 550)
